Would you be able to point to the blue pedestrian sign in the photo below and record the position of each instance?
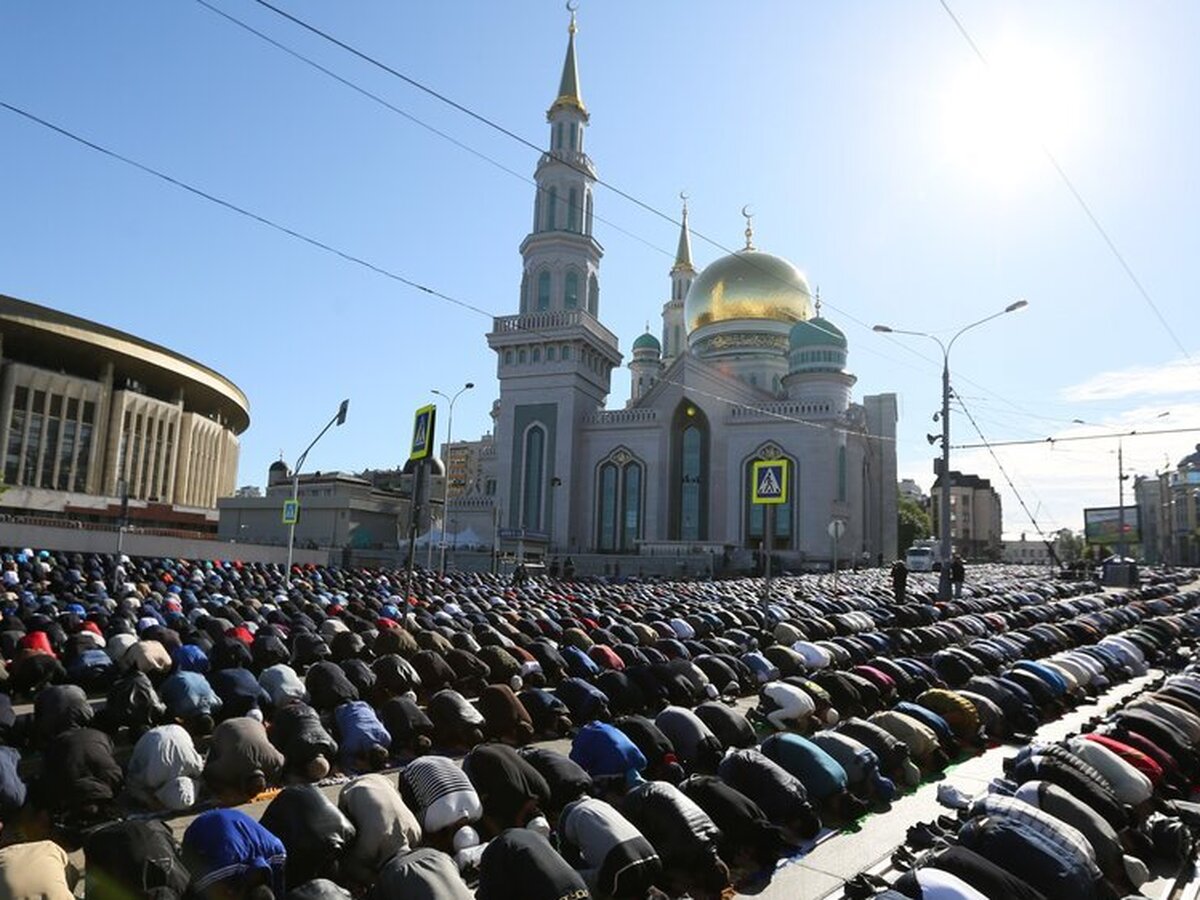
(423, 433)
(291, 512)
(770, 481)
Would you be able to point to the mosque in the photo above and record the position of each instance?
(746, 369)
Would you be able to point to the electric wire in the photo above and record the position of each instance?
(509, 133)
(1079, 199)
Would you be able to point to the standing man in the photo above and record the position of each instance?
(899, 579)
(958, 572)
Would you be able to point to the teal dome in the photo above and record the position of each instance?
(816, 332)
(647, 341)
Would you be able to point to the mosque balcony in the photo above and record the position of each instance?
(621, 417)
(576, 159)
(548, 325)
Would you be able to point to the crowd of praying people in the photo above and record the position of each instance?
(461, 736)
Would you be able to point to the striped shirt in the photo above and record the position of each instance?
(1070, 840)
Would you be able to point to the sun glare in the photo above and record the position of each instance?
(997, 118)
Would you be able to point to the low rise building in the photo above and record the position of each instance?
(976, 521)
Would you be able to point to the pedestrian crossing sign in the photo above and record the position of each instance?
(423, 436)
(770, 481)
(291, 512)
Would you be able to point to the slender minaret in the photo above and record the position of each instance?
(554, 359)
(674, 339)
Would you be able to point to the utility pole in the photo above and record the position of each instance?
(1121, 476)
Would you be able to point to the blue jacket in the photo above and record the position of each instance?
(604, 751)
(358, 730)
(224, 844)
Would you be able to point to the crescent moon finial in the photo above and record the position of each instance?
(683, 195)
(749, 227)
(572, 5)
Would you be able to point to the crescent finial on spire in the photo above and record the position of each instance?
(572, 6)
(749, 226)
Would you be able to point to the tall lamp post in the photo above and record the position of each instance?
(338, 419)
(446, 474)
(944, 515)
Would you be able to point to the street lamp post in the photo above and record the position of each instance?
(944, 515)
(446, 473)
(338, 419)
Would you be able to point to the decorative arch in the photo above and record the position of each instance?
(543, 290)
(689, 473)
(571, 289)
(533, 476)
(754, 515)
(551, 207)
(593, 297)
(620, 501)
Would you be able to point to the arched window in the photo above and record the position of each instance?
(558, 136)
(588, 224)
(572, 210)
(607, 538)
(549, 354)
(631, 505)
(841, 474)
(593, 299)
(521, 356)
(689, 474)
(619, 483)
(571, 130)
(536, 355)
(551, 207)
(543, 290)
(537, 210)
(571, 293)
(508, 357)
(524, 292)
(754, 513)
(533, 471)
(566, 351)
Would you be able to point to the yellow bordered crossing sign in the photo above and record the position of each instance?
(770, 481)
(423, 432)
(291, 512)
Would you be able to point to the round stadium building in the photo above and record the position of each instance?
(89, 414)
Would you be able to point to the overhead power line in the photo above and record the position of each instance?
(509, 133)
(1081, 437)
(1079, 199)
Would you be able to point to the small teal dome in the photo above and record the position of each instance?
(817, 332)
(647, 341)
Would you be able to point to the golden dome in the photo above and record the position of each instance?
(747, 285)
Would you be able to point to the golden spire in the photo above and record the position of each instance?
(749, 227)
(568, 85)
(683, 254)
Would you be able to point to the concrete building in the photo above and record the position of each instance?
(87, 411)
(467, 464)
(976, 522)
(746, 369)
(1148, 493)
(337, 511)
(910, 490)
(1179, 534)
(1027, 552)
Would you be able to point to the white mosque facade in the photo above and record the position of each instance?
(745, 369)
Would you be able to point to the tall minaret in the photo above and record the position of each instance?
(554, 359)
(674, 339)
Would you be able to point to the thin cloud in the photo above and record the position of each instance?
(1177, 377)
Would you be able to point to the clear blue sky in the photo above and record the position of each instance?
(877, 154)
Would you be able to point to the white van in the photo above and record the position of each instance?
(919, 559)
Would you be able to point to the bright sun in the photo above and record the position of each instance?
(997, 118)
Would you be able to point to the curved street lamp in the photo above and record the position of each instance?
(339, 418)
(446, 466)
(944, 515)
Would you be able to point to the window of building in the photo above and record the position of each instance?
(558, 136)
(83, 456)
(521, 356)
(573, 210)
(551, 207)
(572, 131)
(508, 357)
(588, 216)
(571, 293)
(52, 428)
(566, 351)
(631, 505)
(89, 412)
(533, 474)
(608, 508)
(524, 292)
(536, 355)
(593, 299)
(490, 487)
(66, 452)
(549, 354)
(16, 436)
(543, 288)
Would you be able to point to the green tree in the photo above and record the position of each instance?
(912, 523)
(1069, 546)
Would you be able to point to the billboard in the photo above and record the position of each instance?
(1102, 525)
